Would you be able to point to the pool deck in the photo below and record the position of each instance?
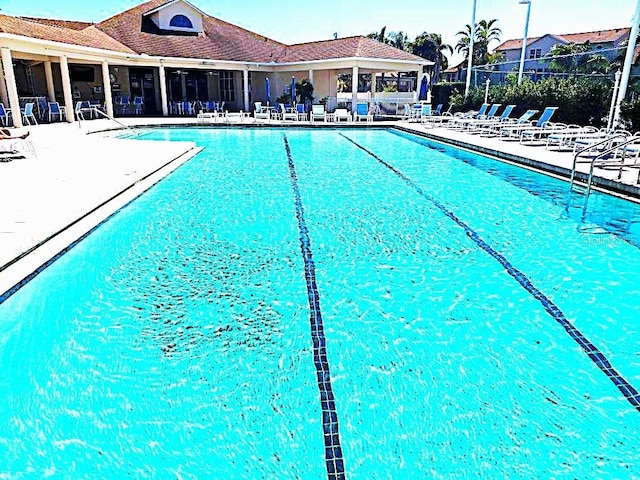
(77, 180)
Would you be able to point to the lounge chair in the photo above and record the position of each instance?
(513, 131)
(537, 136)
(12, 146)
(581, 144)
(564, 139)
(261, 113)
(27, 115)
(465, 123)
(496, 128)
(342, 114)
(55, 110)
(478, 125)
(318, 112)
(362, 111)
(448, 117)
(288, 113)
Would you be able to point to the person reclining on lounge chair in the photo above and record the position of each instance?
(5, 134)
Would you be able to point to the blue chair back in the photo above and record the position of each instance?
(362, 109)
(138, 100)
(438, 110)
(526, 116)
(3, 112)
(507, 111)
(483, 110)
(28, 109)
(546, 116)
(54, 108)
(300, 108)
(426, 111)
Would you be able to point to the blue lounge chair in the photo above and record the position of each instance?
(496, 129)
(464, 124)
(302, 112)
(479, 125)
(513, 131)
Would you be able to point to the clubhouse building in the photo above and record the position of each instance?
(167, 52)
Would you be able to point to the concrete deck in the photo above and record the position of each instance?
(78, 180)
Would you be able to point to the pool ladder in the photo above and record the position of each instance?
(609, 146)
(134, 131)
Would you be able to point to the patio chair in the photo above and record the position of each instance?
(318, 112)
(564, 139)
(342, 114)
(302, 113)
(42, 108)
(5, 114)
(27, 114)
(138, 105)
(483, 114)
(288, 113)
(55, 110)
(261, 113)
(537, 136)
(362, 111)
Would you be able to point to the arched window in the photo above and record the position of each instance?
(180, 21)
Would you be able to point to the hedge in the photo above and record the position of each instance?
(582, 101)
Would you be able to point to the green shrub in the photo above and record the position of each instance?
(441, 92)
(630, 114)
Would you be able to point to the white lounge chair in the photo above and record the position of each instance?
(318, 112)
(342, 114)
(288, 113)
(261, 113)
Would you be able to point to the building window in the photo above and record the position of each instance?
(227, 86)
(535, 53)
(180, 21)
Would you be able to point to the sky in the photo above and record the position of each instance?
(297, 22)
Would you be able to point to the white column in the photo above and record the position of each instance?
(4, 96)
(12, 90)
(48, 73)
(311, 77)
(163, 92)
(245, 88)
(66, 88)
(628, 61)
(354, 88)
(106, 88)
(471, 40)
(373, 85)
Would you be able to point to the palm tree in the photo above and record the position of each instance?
(379, 36)
(485, 33)
(568, 58)
(430, 46)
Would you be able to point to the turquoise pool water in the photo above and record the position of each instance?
(313, 304)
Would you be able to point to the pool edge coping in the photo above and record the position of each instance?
(19, 271)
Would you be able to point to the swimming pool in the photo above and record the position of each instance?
(303, 304)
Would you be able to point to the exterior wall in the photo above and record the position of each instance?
(164, 16)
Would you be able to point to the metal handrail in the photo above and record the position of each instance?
(109, 117)
(586, 149)
(593, 160)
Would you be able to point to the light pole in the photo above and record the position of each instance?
(471, 39)
(486, 90)
(523, 52)
(628, 60)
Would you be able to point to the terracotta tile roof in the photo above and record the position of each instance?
(220, 40)
(89, 37)
(347, 47)
(72, 24)
(598, 36)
